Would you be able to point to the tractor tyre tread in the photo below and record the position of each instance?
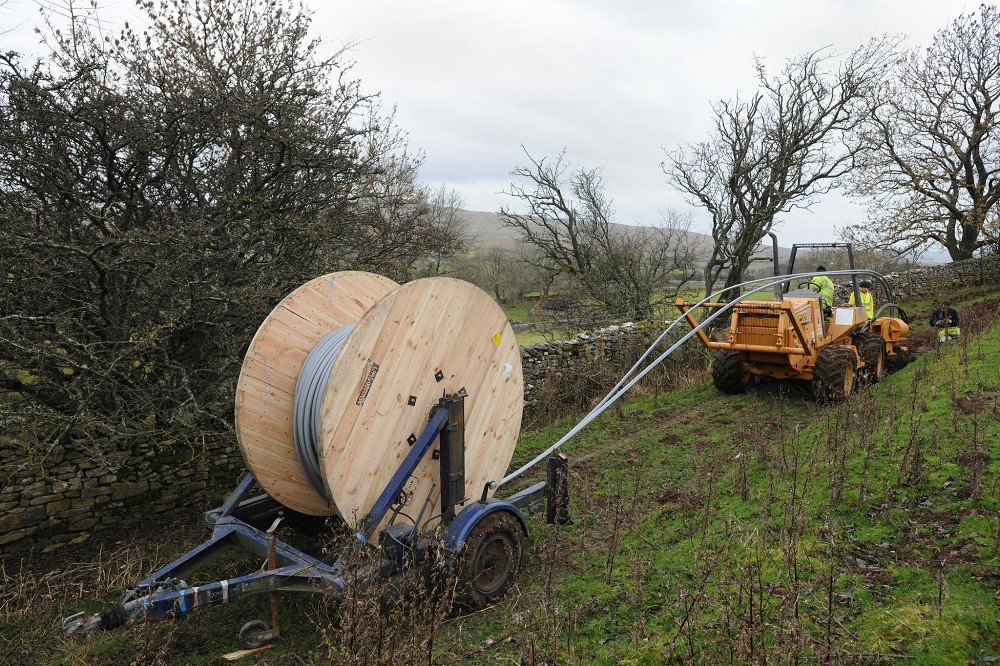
(871, 349)
(728, 374)
(831, 383)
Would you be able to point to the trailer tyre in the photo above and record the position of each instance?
(254, 634)
(728, 374)
(489, 563)
(834, 374)
(871, 349)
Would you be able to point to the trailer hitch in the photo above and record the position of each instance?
(118, 615)
(80, 623)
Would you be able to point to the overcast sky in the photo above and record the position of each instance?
(613, 82)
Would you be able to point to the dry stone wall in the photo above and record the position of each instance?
(52, 496)
(60, 494)
(939, 280)
(56, 495)
(556, 360)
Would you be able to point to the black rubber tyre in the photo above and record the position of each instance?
(898, 360)
(728, 374)
(489, 563)
(834, 374)
(254, 634)
(871, 349)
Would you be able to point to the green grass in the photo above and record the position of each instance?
(845, 547)
(522, 313)
(519, 312)
(935, 619)
(533, 337)
(707, 529)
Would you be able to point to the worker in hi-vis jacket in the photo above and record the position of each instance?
(867, 300)
(823, 285)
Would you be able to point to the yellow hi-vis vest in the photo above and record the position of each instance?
(867, 300)
(824, 286)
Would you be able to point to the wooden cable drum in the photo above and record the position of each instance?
(265, 391)
(420, 341)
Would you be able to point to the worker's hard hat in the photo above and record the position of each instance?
(866, 284)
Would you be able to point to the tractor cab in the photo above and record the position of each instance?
(808, 285)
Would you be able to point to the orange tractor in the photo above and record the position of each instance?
(791, 337)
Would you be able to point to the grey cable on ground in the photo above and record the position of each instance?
(621, 388)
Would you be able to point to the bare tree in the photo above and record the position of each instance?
(388, 227)
(448, 231)
(159, 192)
(933, 175)
(569, 220)
(778, 150)
(497, 273)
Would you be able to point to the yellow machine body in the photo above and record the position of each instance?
(783, 339)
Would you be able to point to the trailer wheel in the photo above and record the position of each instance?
(254, 634)
(871, 349)
(834, 373)
(728, 374)
(489, 563)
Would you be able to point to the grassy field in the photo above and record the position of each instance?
(764, 528)
(707, 529)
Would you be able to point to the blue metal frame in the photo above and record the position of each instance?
(395, 486)
(164, 593)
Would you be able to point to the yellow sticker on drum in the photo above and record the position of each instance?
(496, 339)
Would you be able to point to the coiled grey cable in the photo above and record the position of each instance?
(309, 387)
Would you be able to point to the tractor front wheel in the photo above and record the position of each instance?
(834, 373)
(728, 374)
(871, 349)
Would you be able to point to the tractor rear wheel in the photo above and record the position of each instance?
(871, 349)
(834, 374)
(728, 374)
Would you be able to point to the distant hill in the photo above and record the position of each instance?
(489, 232)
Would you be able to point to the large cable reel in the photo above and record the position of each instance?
(393, 351)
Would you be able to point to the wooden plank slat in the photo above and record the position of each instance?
(425, 326)
(265, 390)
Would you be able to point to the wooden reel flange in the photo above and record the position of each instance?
(410, 345)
